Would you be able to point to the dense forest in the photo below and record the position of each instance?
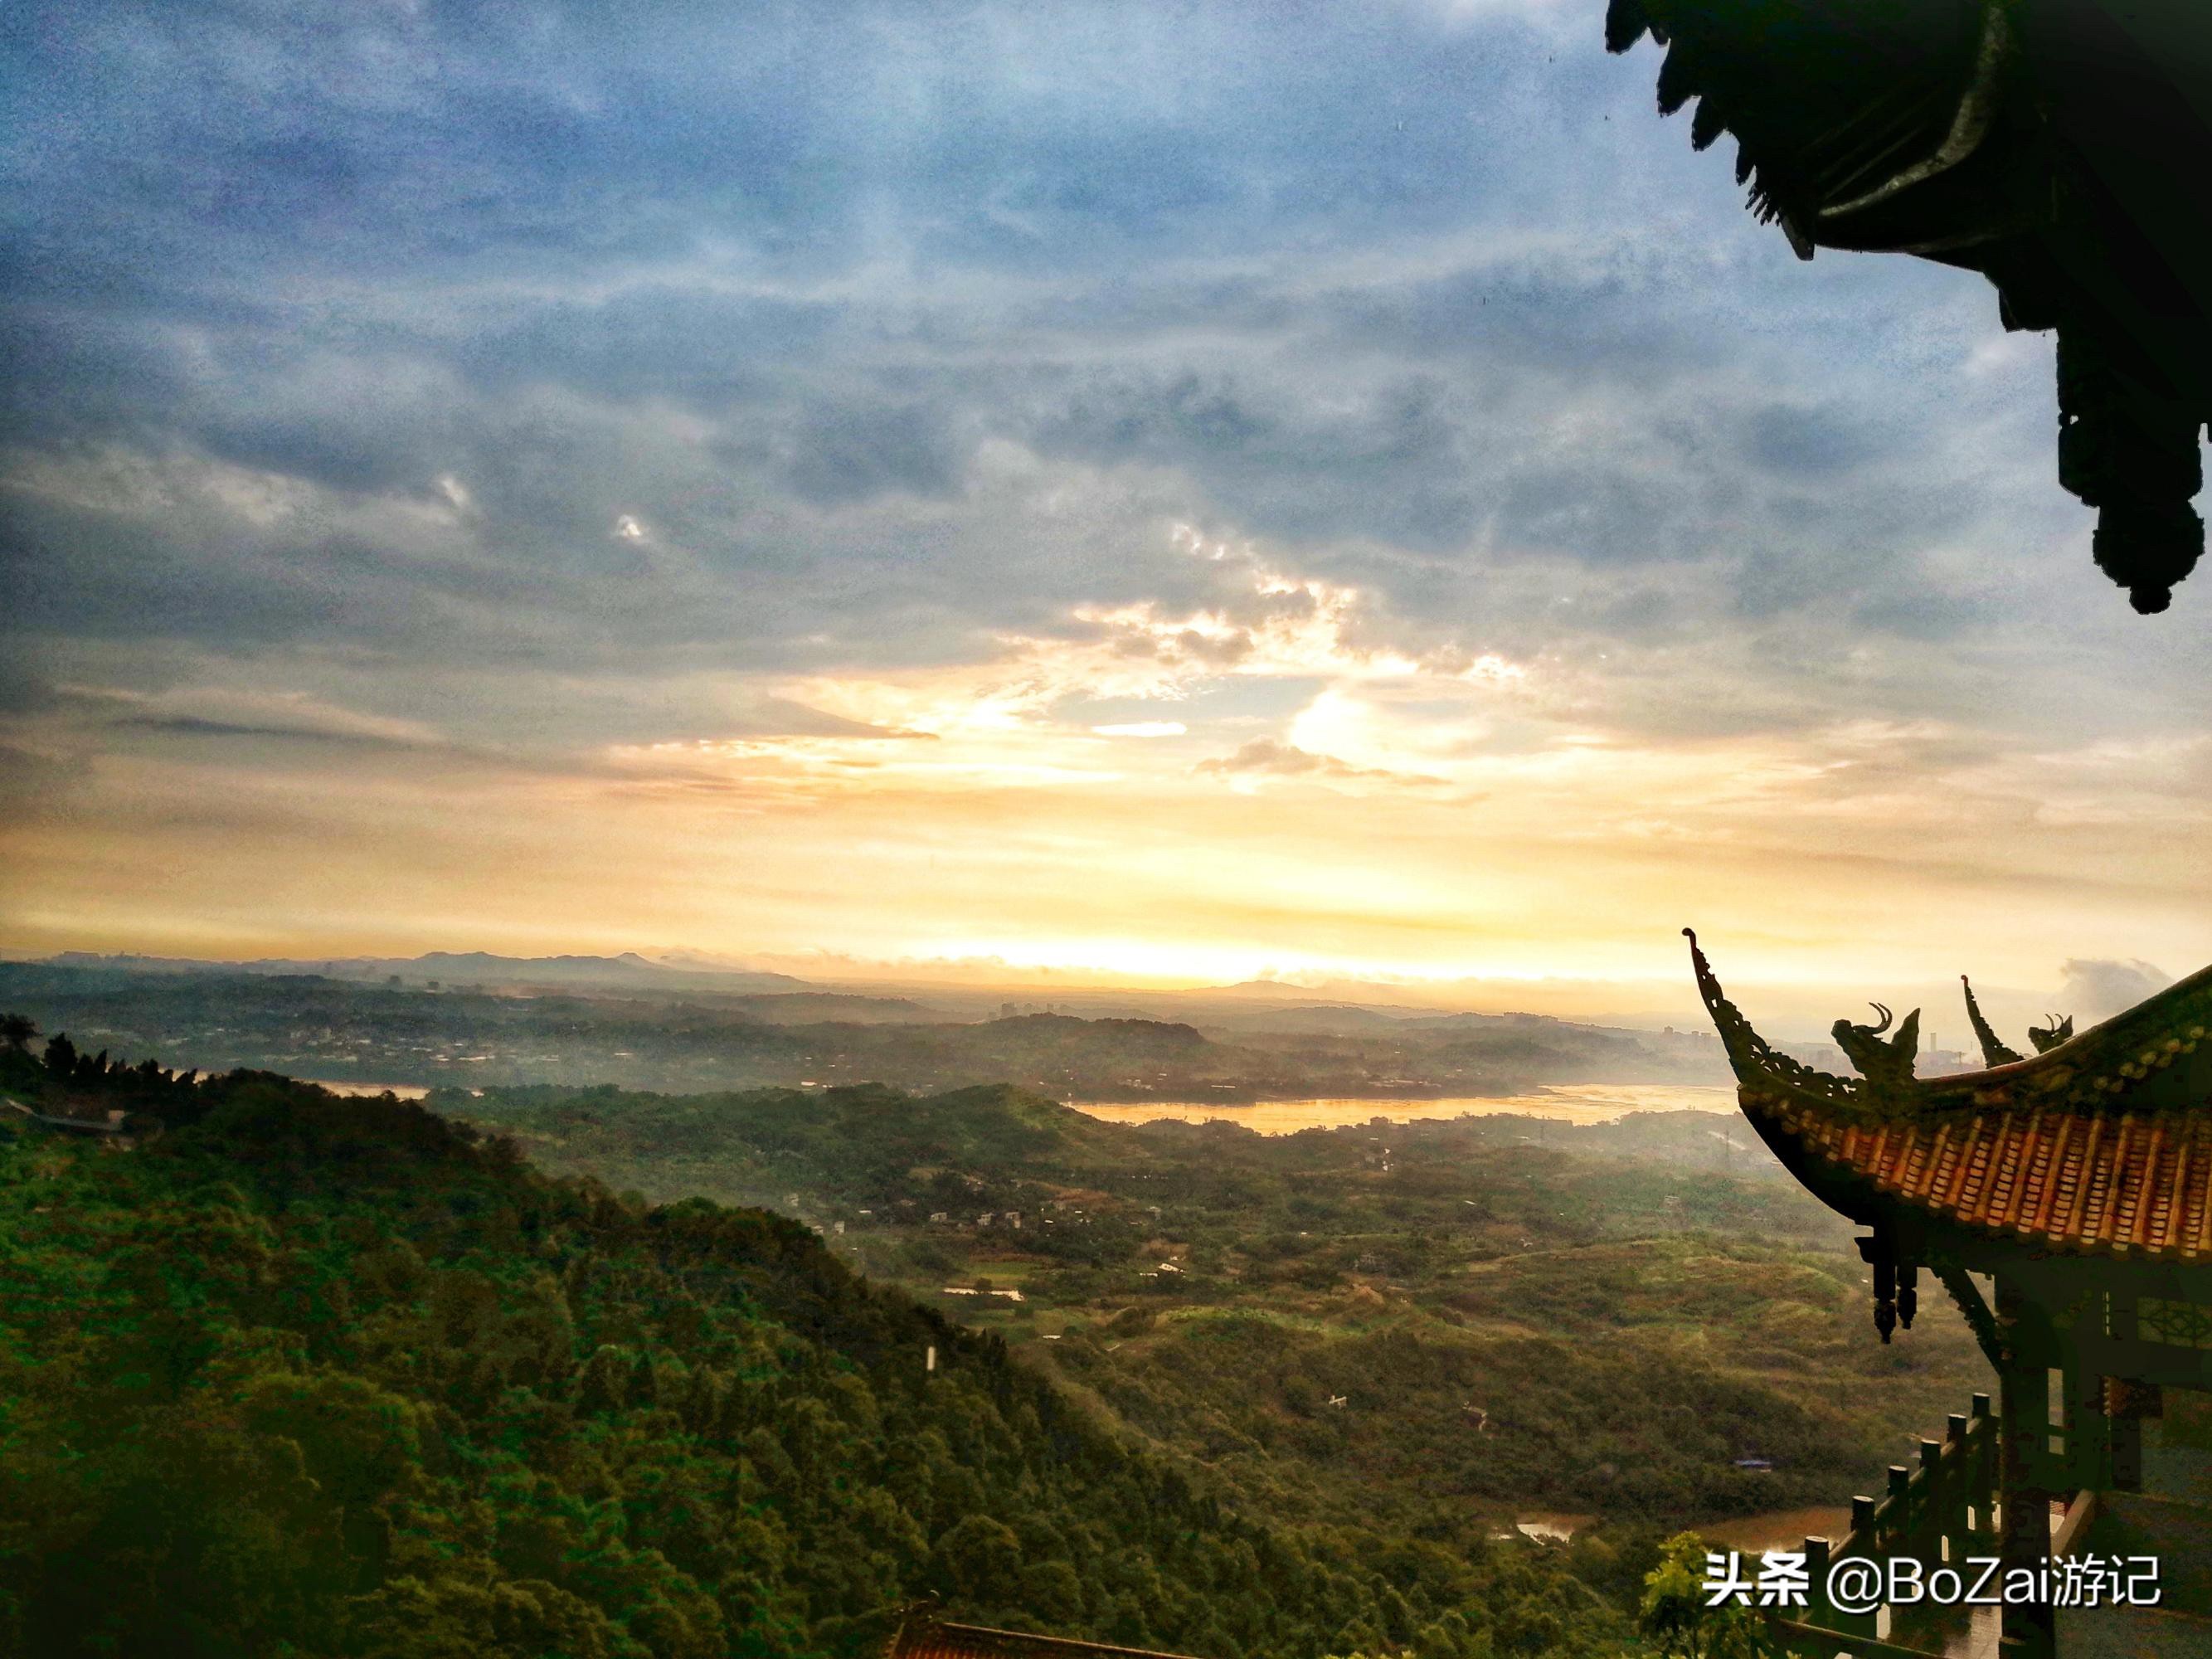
(1640, 1322)
(316, 1376)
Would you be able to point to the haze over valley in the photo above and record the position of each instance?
(813, 814)
(474, 1021)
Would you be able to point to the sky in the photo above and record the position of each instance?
(1171, 493)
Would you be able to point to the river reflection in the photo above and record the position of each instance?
(1566, 1102)
(1569, 1102)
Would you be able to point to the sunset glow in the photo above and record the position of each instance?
(1336, 550)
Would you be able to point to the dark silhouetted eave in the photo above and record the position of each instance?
(2102, 1146)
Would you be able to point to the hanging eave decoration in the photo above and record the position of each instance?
(2059, 147)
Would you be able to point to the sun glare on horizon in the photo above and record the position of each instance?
(1453, 546)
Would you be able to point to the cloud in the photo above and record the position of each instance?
(844, 410)
(22, 691)
(842, 455)
(31, 782)
(194, 726)
(232, 712)
(2093, 989)
(1275, 759)
(1269, 758)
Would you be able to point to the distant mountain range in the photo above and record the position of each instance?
(472, 1021)
(1346, 1007)
(463, 968)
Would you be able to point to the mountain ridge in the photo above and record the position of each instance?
(467, 967)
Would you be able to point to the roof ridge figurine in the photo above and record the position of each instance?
(2099, 1144)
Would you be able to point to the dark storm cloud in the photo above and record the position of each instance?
(653, 337)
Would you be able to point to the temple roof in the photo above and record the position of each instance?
(927, 1637)
(2056, 146)
(2097, 1183)
(2100, 1145)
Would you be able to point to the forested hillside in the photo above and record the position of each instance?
(312, 1376)
(1630, 1323)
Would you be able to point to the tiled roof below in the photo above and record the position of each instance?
(930, 1638)
(2094, 1182)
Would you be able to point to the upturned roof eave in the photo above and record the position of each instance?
(2111, 1056)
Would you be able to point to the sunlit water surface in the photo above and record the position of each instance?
(1566, 1102)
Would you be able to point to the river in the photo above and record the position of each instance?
(1565, 1103)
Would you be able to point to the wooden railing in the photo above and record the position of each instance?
(1937, 1513)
